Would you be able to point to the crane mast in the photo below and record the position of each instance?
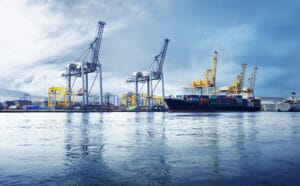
(210, 77)
(237, 87)
(251, 82)
(96, 58)
(241, 78)
(213, 70)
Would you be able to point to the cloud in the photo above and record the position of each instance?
(39, 38)
(228, 41)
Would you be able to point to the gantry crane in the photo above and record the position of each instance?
(88, 63)
(251, 83)
(210, 78)
(156, 74)
(237, 86)
(139, 77)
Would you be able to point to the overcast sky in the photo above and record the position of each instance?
(39, 38)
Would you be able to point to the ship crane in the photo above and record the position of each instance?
(237, 87)
(156, 74)
(210, 78)
(87, 63)
(251, 83)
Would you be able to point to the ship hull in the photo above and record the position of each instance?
(177, 105)
(294, 102)
(295, 108)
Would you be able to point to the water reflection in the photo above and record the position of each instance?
(83, 151)
(213, 141)
(147, 161)
(149, 149)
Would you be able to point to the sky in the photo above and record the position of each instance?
(39, 38)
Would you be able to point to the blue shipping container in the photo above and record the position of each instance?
(31, 107)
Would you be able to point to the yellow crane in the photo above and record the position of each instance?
(210, 78)
(237, 86)
(129, 100)
(57, 97)
(251, 83)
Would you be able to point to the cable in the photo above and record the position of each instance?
(93, 82)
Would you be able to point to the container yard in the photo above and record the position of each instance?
(87, 67)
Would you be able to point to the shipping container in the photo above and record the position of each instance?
(180, 97)
(202, 96)
(227, 101)
(186, 97)
(13, 107)
(23, 102)
(204, 99)
(245, 102)
(194, 98)
(212, 97)
(31, 107)
(221, 97)
(9, 103)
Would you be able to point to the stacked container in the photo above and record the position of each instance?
(186, 98)
(194, 99)
(180, 97)
(22, 103)
(233, 101)
(239, 100)
(221, 99)
(245, 102)
(204, 99)
(31, 107)
(213, 99)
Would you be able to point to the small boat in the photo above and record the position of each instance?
(293, 102)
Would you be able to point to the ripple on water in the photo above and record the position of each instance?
(149, 148)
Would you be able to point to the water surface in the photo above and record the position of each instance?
(149, 148)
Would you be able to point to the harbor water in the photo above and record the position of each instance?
(116, 148)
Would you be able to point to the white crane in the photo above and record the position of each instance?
(156, 74)
(88, 63)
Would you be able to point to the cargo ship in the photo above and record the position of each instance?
(214, 103)
(230, 99)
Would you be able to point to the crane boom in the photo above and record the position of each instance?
(251, 82)
(237, 87)
(163, 55)
(253, 78)
(97, 43)
(160, 59)
(242, 77)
